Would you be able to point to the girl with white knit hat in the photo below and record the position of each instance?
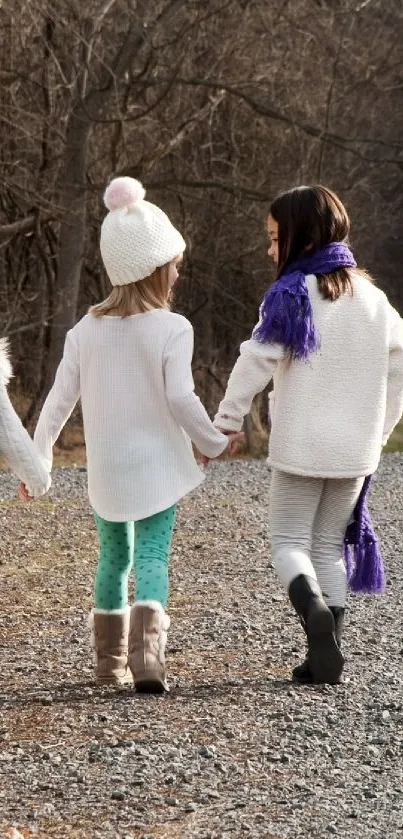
(129, 360)
(333, 345)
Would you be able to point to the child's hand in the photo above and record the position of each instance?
(23, 493)
(234, 437)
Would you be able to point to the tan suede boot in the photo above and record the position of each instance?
(109, 640)
(147, 640)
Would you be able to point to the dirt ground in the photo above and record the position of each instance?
(235, 749)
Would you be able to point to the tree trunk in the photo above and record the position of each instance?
(73, 177)
(72, 238)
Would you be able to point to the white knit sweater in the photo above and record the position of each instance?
(139, 409)
(15, 443)
(331, 414)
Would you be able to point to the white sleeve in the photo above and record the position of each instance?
(252, 371)
(19, 450)
(394, 394)
(60, 400)
(185, 406)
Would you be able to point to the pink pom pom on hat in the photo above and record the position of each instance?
(123, 192)
(136, 236)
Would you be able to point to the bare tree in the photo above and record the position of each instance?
(216, 107)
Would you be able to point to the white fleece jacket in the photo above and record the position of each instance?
(332, 414)
(15, 443)
(135, 381)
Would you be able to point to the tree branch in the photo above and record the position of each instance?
(274, 113)
(136, 36)
(25, 225)
(224, 186)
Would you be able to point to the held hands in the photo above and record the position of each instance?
(234, 437)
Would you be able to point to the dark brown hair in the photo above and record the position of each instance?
(309, 218)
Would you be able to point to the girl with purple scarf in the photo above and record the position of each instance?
(333, 345)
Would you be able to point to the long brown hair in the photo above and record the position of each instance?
(309, 218)
(150, 293)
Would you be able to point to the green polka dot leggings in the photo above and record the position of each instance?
(142, 545)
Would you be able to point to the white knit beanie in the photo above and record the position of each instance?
(136, 236)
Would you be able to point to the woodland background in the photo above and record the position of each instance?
(215, 106)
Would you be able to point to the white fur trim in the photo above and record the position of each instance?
(5, 364)
(154, 604)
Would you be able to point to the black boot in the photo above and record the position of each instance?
(301, 673)
(338, 614)
(324, 660)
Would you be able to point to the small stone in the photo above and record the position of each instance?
(118, 795)
(172, 802)
(220, 766)
(207, 751)
(370, 793)
(87, 692)
(94, 747)
(48, 809)
(191, 807)
(213, 793)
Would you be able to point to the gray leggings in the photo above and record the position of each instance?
(308, 520)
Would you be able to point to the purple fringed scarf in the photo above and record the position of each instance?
(286, 318)
(286, 312)
(362, 555)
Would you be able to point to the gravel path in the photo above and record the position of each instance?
(235, 749)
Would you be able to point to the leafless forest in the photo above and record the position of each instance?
(215, 105)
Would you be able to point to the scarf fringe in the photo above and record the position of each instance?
(286, 318)
(362, 555)
(365, 572)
